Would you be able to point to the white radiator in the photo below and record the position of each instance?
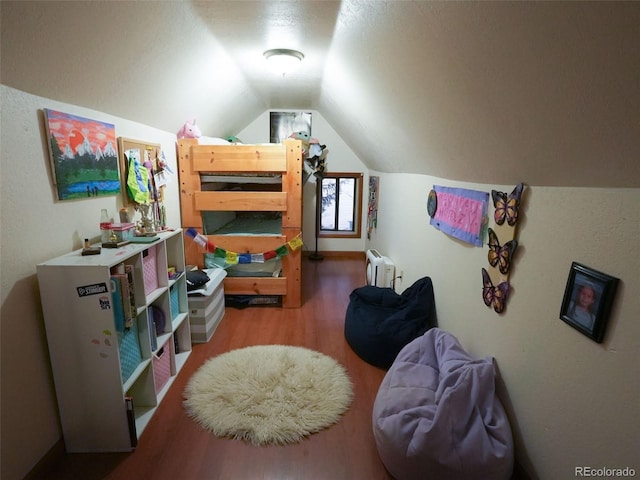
(380, 270)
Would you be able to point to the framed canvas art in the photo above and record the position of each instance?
(587, 300)
(83, 154)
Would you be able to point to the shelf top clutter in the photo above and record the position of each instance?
(108, 257)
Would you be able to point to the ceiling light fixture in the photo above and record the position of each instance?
(283, 60)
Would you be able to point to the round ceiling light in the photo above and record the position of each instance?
(283, 60)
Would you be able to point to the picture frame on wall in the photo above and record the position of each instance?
(283, 124)
(83, 154)
(587, 301)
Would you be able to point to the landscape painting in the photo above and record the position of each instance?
(83, 153)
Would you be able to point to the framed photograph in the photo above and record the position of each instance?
(83, 155)
(587, 301)
(283, 124)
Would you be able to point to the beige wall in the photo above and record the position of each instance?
(572, 402)
(36, 227)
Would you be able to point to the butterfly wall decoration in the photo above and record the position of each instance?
(506, 206)
(494, 295)
(500, 255)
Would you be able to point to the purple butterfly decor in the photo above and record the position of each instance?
(506, 207)
(494, 296)
(500, 255)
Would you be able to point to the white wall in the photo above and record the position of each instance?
(572, 402)
(340, 158)
(36, 227)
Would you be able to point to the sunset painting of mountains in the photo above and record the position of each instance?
(84, 156)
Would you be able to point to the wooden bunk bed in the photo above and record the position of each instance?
(265, 178)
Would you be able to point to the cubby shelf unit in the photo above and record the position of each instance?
(101, 366)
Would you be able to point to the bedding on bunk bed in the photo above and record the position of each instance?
(244, 224)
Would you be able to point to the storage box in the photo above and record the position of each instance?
(206, 310)
(162, 366)
(149, 270)
(123, 231)
(129, 351)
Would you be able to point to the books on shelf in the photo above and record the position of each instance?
(118, 308)
(131, 420)
(128, 270)
(123, 294)
(152, 330)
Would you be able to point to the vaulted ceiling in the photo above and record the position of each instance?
(547, 93)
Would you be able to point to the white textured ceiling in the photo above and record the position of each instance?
(547, 93)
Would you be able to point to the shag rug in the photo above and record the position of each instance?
(268, 394)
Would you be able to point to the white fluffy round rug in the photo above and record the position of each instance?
(268, 394)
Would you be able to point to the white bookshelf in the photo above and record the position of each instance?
(85, 343)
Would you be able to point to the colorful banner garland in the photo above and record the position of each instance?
(233, 258)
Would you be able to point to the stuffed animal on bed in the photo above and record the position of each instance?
(191, 130)
(304, 137)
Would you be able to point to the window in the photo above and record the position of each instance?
(339, 206)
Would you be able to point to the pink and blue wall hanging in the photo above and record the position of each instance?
(459, 212)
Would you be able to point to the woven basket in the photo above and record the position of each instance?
(129, 349)
(162, 366)
(150, 270)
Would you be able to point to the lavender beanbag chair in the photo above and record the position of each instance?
(436, 415)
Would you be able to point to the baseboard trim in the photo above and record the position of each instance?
(343, 254)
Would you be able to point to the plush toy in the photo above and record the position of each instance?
(315, 149)
(316, 159)
(190, 130)
(304, 137)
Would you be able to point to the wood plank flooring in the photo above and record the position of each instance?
(174, 447)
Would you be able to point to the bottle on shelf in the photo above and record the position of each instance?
(105, 226)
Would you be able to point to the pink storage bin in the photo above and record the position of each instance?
(162, 366)
(150, 270)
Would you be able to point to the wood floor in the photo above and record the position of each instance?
(174, 447)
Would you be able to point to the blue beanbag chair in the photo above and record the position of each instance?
(379, 322)
(436, 415)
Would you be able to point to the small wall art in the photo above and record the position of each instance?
(587, 300)
(372, 208)
(459, 212)
(83, 154)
